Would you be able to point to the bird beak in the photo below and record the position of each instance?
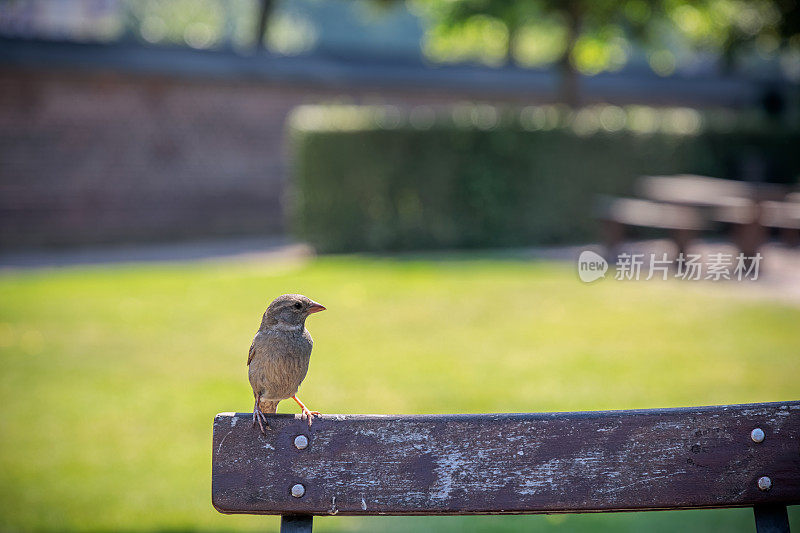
(315, 308)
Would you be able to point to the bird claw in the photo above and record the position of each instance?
(309, 415)
(262, 420)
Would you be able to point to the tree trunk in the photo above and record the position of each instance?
(513, 32)
(264, 11)
(569, 86)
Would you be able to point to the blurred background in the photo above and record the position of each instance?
(429, 170)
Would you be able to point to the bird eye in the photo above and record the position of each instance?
(298, 305)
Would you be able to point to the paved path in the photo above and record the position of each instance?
(207, 250)
(779, 274)
(779, 278)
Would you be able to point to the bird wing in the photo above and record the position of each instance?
(252, 351)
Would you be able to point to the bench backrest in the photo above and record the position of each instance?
(727, 456)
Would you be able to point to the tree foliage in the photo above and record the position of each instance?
(593, 36)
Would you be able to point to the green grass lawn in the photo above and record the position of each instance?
(111, 376)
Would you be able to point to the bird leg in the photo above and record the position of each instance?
(306, 413)
(259, 416)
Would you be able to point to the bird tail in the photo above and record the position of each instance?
(268, 407)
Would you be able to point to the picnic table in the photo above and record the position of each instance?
(686, 205)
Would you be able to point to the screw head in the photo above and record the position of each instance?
(301, 442)
(757, 435)
(298, 490)
(764, 483)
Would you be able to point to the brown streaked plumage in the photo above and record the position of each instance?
(279, 355)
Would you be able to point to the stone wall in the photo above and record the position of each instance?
(93, 157)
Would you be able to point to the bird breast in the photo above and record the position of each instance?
(280, 362)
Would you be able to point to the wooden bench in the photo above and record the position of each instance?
(682, 222)
(686, 458)
(737, 204)
(686, 205)
(785, 216)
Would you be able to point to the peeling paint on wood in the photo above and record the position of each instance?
(509, 463)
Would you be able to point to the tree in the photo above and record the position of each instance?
(592, 36)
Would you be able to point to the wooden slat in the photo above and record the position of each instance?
(509, 463)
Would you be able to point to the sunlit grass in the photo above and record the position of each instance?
(111, 377)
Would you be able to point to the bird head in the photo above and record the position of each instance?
(290, 310)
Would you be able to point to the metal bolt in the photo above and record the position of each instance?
(757, 435)
(764, 483)
(300, 442)
(298, 490)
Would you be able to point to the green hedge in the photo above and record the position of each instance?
(375, 178)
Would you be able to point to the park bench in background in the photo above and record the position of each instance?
(702, 191)
(685, 205)
(784, 215)
(682, 222)
(701, 457)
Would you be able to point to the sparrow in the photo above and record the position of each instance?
(279, 356)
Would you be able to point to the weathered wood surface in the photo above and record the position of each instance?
(509, 463)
